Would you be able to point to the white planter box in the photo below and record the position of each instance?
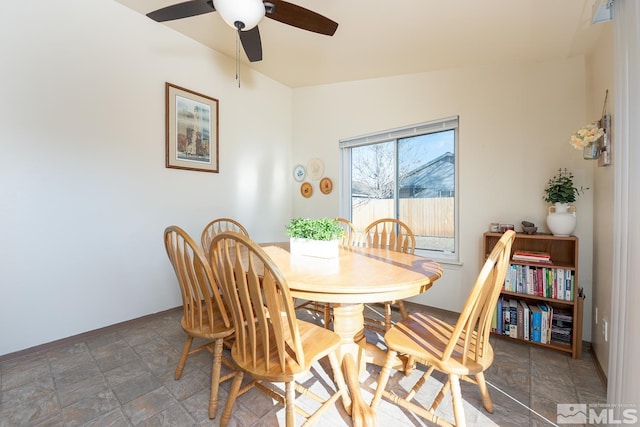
(316, 248)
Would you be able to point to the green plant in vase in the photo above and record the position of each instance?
(314, 229)
(318, 237)
(561, 191)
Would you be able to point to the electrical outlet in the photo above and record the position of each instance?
(605, 331)
(596, 315)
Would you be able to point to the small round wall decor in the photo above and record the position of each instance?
(326, 186)
(299, 173)
(315, 169)
(306, 189)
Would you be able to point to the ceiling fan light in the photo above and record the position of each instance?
(247, 12)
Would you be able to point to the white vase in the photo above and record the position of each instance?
(315, 248)
(561, 219)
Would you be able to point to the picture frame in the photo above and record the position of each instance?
(191, 123)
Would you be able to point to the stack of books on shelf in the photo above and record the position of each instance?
(561, 327)
(549, 282)
(532, 322)
(532, 256)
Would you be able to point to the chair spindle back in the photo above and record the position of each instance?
(389, 233)
(200, 295)
(259, 300)
(219, 225)
(474, 324)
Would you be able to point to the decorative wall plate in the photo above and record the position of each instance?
(326, 185)
(315, 169)
(306, 189)
(299, 173)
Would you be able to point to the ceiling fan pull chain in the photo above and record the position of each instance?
(238, 57)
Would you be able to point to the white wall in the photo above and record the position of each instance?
(84, 192)
(600, 78)
(85, 195)
(515, 123)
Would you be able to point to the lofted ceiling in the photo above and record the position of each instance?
(385, 38)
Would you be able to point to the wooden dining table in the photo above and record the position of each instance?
(356, 276)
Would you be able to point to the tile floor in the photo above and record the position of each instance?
(124, 376)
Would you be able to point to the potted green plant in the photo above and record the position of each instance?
(560, 188)
(318, 237)
(561, 191)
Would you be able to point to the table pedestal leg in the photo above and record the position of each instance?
(348, 323)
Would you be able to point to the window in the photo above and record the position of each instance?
(409, 174)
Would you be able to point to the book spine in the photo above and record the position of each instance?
(508, 281)
(549, 322)
(558, 275)
(499, 315)
(526, 258)
(526, 328)
(544, 322)
(517, 284)
(494, 319)
(520, 279)
(520, 329)
(513, 318)
(506, 329)
(535, 323)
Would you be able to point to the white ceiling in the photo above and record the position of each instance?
(384, 38)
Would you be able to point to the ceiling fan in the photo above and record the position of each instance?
(244, 16)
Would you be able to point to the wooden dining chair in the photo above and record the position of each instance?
(349, 238)
(216, 226)
(204, 314)
(388, 233)
(350, 235)
(270, 345)
(460, 351)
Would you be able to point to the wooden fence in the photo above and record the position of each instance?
(426, 217)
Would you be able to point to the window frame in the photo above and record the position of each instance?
(434, 126)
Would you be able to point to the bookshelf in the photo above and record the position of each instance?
(552, 283)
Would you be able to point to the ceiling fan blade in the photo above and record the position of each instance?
(299, 17)
(182, 10)
(251, 44)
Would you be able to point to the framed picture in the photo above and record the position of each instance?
(191, 130)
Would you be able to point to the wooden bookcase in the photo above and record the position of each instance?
(564, 255)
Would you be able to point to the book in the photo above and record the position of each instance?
(544, 323)
(513, 318)
(494, 319)
(499, 320)
(525, 320)
(514, 282)
(509, 282)
(531, 280)
(506, 318)
(547, 317)
(562, 327)
(559, 275)
(531, 256)
(536, 322)
(520, 321)
(551, 310)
